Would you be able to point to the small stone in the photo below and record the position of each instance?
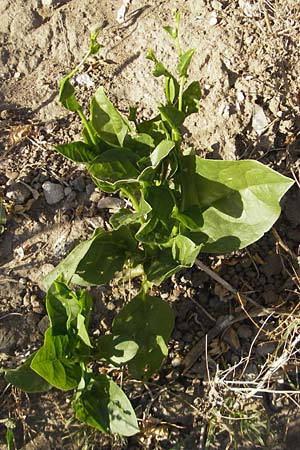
(259, 119)
(78, 184)
(95, 197)
(111, 306)
(43, 324)
(67, 190)
(244, 331)
(18, 193)
(110, 203)
(176, 362)
(53, 192)
(213, 20)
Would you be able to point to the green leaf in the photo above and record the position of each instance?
(114, 169)
(179, 253)
(69, 265)
(67, 95)
(106, 256)
(78, 152)
(154, 128)
(103, 405)
(55, 364)
(159, 225)
(110, 125)
(94, 45)
(10, 439)
(2, 217)
(68, 311)
(114, 350)
(160, 152)
(172, 116)
(125, 217)
(184, 62)
(26, 379)
(171, 89)
(191, 98)
(149, 322)
(238, 200)
(160, 69)
(171, 31)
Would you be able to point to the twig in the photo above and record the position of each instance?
(225, 284)
(218, 329)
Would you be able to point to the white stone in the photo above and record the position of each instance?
(53, 192)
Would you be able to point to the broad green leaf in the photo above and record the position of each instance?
(238, 200)
(114, 350)
(69, 265)
(78, 152)
(26, 379)
(110, 125)
(147, 164)
(155, 128)
(68, 310)
(172, 117)
(179, 253)
(82, 330)
(184, 62)
(103, 405)
(160, 152)
(114, 168)
(149, 322)
(125, 217)
(57, 296)
(106, 256)
(159, 226)
(67, 95)
(54, 363)
(191, 98)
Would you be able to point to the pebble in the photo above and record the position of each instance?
(78, 184)
(18, 193)
(95, 197)
(53, 192)
(176, 361)
(110, 202)
(48, 2)
(251, 371)
(43, 324)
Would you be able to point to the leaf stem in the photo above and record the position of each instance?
(180, 95)
(132, 198)
(87, 125)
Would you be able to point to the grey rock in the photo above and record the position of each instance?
(43, 324)
(53, 192)
(18, 193)
(110, 203)
(78, 184)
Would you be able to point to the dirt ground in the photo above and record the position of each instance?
(248, 63)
